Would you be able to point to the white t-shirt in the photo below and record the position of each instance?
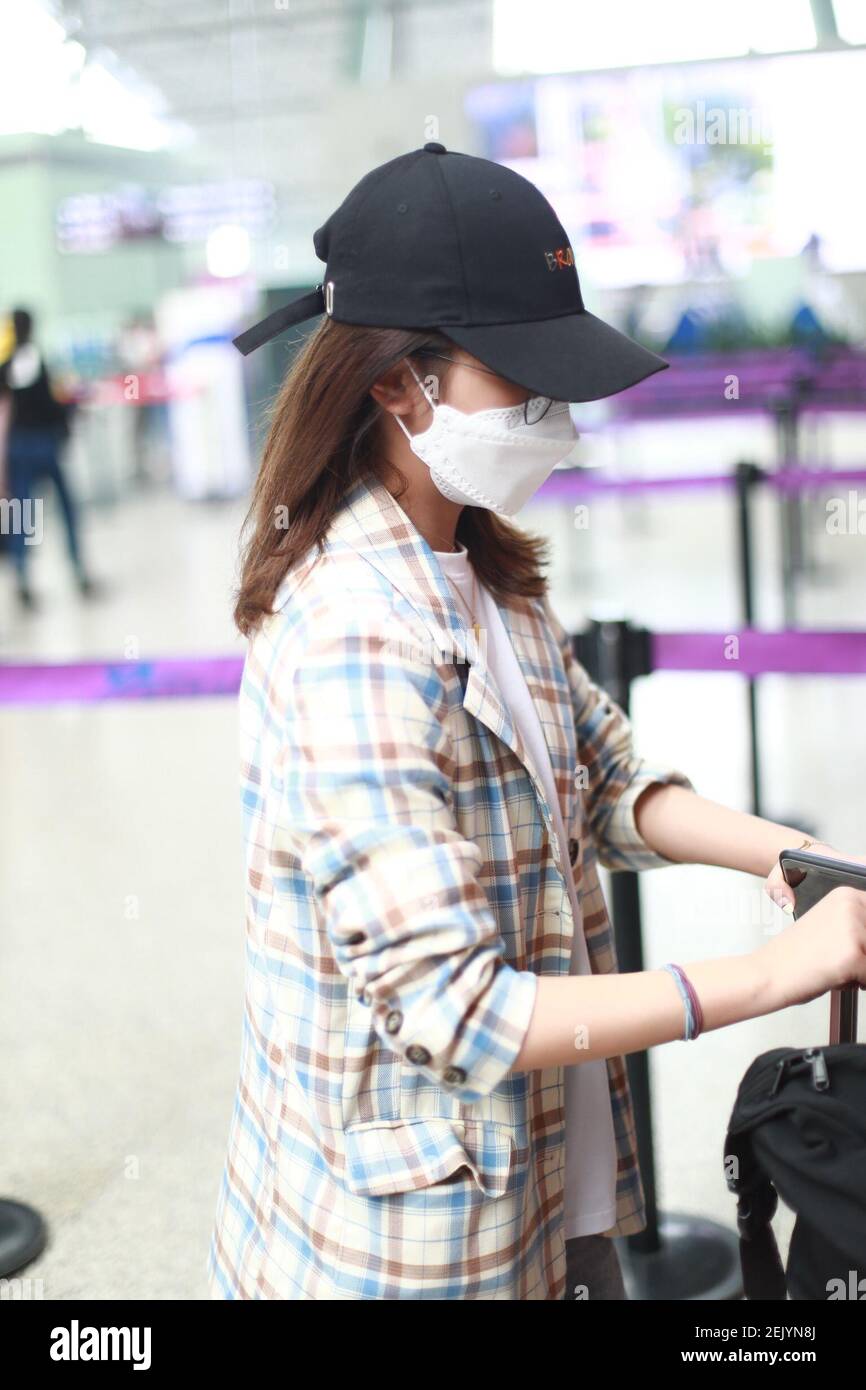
(590, 1147)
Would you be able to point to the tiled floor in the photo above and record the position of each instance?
(121, 895)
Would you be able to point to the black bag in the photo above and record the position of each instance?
(798, 1131)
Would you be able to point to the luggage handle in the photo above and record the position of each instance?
(843, 1014)
(843, 1001)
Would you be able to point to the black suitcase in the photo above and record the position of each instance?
(798, 1131)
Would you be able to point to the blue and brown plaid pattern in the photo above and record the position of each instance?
(405, 889)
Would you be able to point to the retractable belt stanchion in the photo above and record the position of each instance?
(786, 410)
(746, 475)
(22, 1236)
(677, 1256)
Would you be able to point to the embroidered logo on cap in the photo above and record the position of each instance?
(560, 259)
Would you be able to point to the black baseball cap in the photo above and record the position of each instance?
(435, 239)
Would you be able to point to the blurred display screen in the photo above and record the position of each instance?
(98, 221)
(92, 222)
(664, 174)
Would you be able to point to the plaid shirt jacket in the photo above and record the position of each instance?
(405, 889)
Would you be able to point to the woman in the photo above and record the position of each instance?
(433, 1100)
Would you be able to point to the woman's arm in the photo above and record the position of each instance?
(578, 1018)
(361, 793)
(690, 829)
(643, 816)
(611, 776)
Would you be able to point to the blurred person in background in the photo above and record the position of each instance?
(37, 425)
(139, 353)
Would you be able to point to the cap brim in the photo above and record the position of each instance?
(577, 357)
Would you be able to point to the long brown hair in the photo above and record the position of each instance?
(321, 441)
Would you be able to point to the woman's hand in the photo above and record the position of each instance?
(824, 949)
(784, 894)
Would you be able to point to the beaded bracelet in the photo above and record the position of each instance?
(694, 1012)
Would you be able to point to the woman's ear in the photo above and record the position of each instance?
(397, 392)
(391, 391)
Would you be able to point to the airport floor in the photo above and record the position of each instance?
(121, 892)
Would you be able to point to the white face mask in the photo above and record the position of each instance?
(493, 458)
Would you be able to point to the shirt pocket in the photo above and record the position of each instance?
(406, 1155)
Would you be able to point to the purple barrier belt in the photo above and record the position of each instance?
(795, 479)
(85, 682)
(704, 408)
(565, 483)
(789, 652)
(89, 682)
(833, 379)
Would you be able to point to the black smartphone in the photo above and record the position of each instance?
(812, 876)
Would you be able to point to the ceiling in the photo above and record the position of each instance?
(253, 76)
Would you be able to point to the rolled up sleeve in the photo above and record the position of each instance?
(367, 773)
(615, 777)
